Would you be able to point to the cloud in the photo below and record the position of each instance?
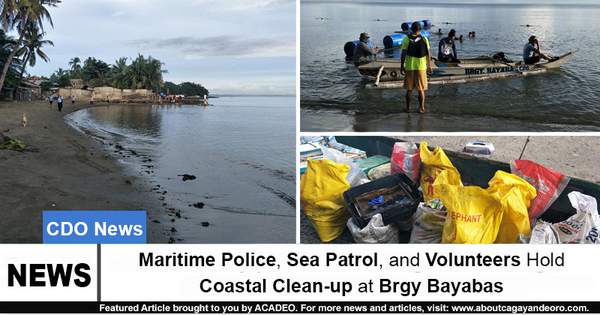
(243, 4)
(224, 45)
(118, 13)
(237, 45)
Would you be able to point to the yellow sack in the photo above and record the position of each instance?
(473, 216)
(321, 193)
(515, 195)
(432, 164)
(483, 216)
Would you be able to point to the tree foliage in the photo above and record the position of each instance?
(141, 73)
(185, 88)
(12, 76)
(22, 15)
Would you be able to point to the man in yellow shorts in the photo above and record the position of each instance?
(415, 65)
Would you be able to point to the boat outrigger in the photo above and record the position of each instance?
(386, 71)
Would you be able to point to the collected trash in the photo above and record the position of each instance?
(581, 228)
(433, 163)
(380, 171)
(548, 183)
(372, 162)
(375, 232)
(417, 196)
(497, 214)
(429, 223)
(355, 176)
(395, 197)
(479, 147)
(406, 159)
(314, 147)
(321, 190)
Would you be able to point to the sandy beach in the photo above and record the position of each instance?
(68, 171)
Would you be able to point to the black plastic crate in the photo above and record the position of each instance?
(404, 197)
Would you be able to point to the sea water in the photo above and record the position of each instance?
(241, 151)
(334, 97)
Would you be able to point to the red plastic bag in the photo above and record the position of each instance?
(406, 159)
(548, 183)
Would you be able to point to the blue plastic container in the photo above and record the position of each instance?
(406, 26)
(427, 24)
(349, 48)
(395, 40)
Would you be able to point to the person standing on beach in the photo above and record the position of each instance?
(415, 64)
(50, 99)
(60, 102)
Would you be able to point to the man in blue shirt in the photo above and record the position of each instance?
(532, 53)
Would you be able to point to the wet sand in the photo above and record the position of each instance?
(70, 171)
(573, 156)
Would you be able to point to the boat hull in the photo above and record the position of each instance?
(386, 72)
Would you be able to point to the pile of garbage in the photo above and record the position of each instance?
(419, 191)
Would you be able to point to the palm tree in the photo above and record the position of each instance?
(6, 44)
(21, 14)
(32, 47)
(146, 73)
(95, 71)
(121, 74)
(75, 64)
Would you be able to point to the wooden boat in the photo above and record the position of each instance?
(385, 72)
(478, 171)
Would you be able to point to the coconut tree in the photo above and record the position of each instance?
(6, 44)
(20, 15)
(154, 74)
(33, 43)
(75, 64)
(146, 73)
(121, 74)
(95, 71)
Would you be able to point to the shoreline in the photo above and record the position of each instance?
(70, 171)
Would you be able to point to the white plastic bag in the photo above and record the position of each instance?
(429, 223)
(356, 176)
(375, 232)
(581, 228)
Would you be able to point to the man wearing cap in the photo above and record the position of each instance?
(447, 48)
(532, 53)
(415, 65)
(364, 51)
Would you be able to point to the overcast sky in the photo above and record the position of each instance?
(229, 46)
